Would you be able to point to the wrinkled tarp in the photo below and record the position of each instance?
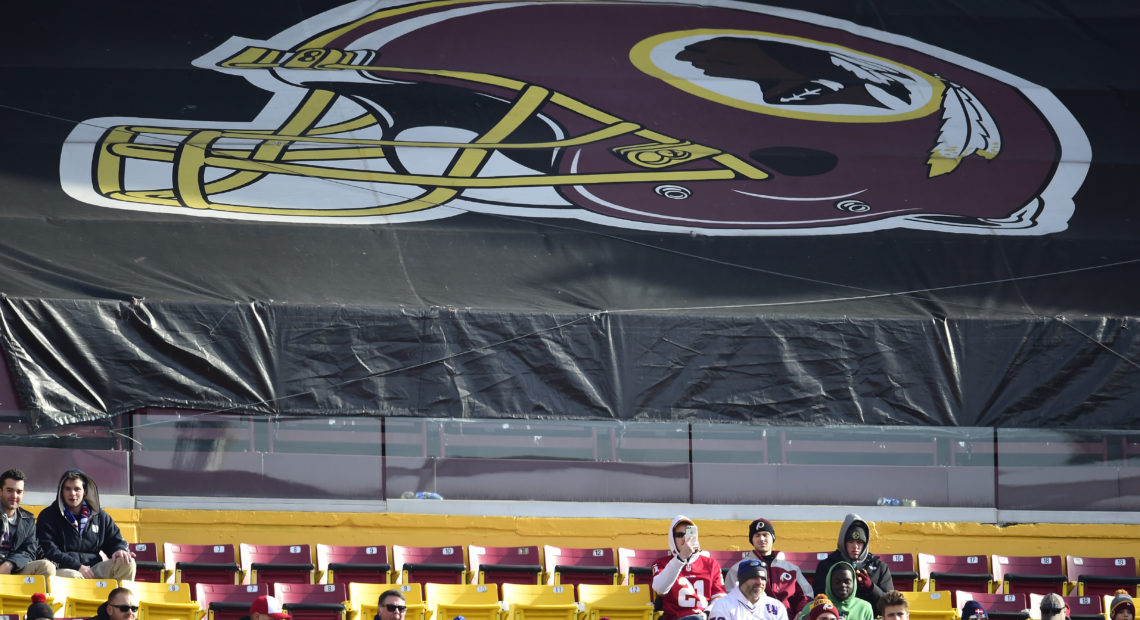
(478, 315)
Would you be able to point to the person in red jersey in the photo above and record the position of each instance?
(688, 579)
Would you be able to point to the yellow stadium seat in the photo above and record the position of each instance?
(80, 598)
(364, 597)
(938, 605)
(472, 601)
(616, 602)
(539, 602)
(16, 592)
(164, 601)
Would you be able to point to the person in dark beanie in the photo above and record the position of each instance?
(39, 609)
(786, 582)
(872, 575)
(1121, 607)
(973, 610)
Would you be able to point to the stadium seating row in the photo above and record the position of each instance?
(941, 605)
(80, 598)
(253, 564)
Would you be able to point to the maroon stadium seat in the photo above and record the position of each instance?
(636, 564)
(222, 601)
(429, 564)
(308, 601)
(147, 566)
(505, 564)
(359, 564)
(970, 573)
(1097, 577)
(1029, 574)
(194, 564)
(903, 574)
(997, 606)
(806, 560)
(577, 565)
(277, 563)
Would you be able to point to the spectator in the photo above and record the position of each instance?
(1121, 607)
(76, 535)
(840, 590)
(973, 610)
(748, 601)
(39, 609)
(391, 605)
(121, 604)
(822, 609)
(266, 608)
(872, 575)
(786, 582)
(1053, 607)
(18, 544)
(893, 606)
(688, 579)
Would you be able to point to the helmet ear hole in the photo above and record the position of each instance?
(795, 161)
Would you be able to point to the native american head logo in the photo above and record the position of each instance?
(716, 118)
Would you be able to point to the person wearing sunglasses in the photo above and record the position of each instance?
(121, 604)
(391, 605)
(688, 580)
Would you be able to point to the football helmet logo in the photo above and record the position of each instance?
(715, 119)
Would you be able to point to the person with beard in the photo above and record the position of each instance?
(786, 582)
(18, 544)
(872, 575)
(748, 601)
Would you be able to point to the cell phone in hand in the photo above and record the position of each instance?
(690, 532)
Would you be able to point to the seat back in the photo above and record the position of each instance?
(1008, 606)
(16, 592)
(539, 602)
(1029, 574)
(227, 601)
(504, 564)
(80, 598)
(194, 564)
(348, 564)
(577, 566)
(636, 565)
(950, 573)
(1100, 576)
(806, 560)
(364, 599)
(1084, 607)
(903, 573)
(727, 558)
(429, 564)
(164, 601)
(471, 600)
(147, 566)
(276, 563)
(616, 602)
(308, 601)
(936, 605)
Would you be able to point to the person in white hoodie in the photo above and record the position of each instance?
(688, 580)
(747, 601)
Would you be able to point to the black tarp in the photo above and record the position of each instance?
(521, 312)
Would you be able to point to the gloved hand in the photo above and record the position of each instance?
(863, 579)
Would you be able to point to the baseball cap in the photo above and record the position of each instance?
(268, 605)
(750, 568)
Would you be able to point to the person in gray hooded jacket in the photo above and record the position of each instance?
(872, 575)
(80, 538)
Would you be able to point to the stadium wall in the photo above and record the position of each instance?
(297, 527)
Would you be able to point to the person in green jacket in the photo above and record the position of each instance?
(841, 591)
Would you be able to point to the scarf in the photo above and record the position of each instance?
(80, 522)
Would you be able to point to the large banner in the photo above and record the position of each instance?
(771, 213)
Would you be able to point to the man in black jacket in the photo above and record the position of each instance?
(872, 575)
(80, 538)
(18, 544)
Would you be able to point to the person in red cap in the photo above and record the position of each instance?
(266, 608)
(786, 582)
(823, 609)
